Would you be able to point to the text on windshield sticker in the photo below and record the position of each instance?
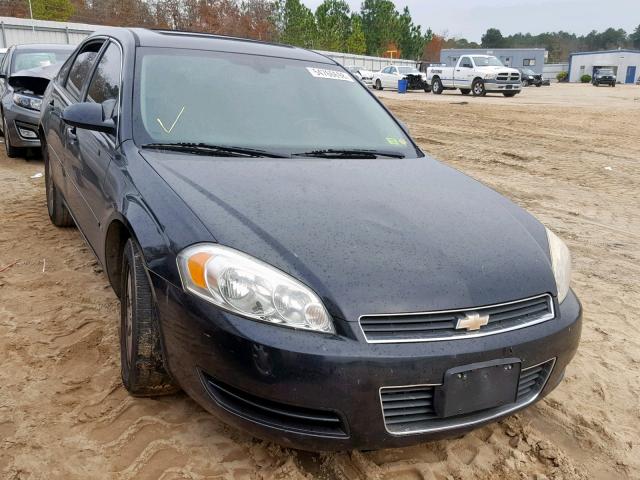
(329, 74)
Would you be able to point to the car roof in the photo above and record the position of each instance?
(44, 46)
(205, 41)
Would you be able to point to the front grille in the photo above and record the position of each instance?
(508, 77)
(275, 414)
(410, 409)
(403, 407)
(434, 326)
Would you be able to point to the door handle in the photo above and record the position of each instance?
(71, 134)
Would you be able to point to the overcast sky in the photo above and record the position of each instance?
(471, 18)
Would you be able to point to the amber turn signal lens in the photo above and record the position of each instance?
(196, 264)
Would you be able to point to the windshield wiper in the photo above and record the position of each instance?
(217, 150)
(349, 153)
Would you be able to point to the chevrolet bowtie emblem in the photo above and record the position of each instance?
(472, 321)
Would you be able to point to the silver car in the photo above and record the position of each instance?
(24, 75)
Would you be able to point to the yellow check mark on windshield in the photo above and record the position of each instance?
(168, 130)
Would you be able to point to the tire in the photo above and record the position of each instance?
(477, 88)
(538, 85)
(465, 91)
(613, 84)
(427, 89)
(525, 83)
(509, 94)
(12, 152)
(436, 86)
(58, 212)
(379, 85)
(141, 354)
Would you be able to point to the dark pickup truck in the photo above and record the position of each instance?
(604, 76)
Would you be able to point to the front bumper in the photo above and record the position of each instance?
(19, 121)
(494, 86)
(286, 385)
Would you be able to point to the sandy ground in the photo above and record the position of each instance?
(569, 154)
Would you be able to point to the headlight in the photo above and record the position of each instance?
(244, 285)
(27, 101)
(561, 263)
(490, 76)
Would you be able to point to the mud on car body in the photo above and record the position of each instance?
(286, 254)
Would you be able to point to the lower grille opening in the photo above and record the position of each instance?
(275, 414)
(410, 409)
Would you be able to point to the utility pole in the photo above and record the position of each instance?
(33, 27)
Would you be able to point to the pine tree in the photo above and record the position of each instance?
(59, 10)
(356, 43)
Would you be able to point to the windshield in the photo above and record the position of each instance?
(605, 71)
(27, 59)
(487, 62)
(409, 70)
(267, 103)
(528, 71)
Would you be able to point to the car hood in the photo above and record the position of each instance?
(492, 69)
(369, 236)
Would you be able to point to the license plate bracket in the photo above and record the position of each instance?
(478, 386)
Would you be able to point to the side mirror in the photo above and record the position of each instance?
(89, 116)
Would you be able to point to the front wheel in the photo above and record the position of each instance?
(58, 212)
(477, 88)
(465, 91)
(141, 354)
(613, 84)
(436, 86)
(379, 85)
(12, 152)
(509, 94)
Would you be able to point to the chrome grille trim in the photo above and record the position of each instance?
(460, 335)
(440, 424)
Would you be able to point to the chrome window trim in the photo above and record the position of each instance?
(462, 335)
(461, 423)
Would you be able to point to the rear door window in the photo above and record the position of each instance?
(105, 84)
(81, 68)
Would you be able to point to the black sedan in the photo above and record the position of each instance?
(529, 77)
(286, 254)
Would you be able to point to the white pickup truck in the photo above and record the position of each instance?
(476, 74)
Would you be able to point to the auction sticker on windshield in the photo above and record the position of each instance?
(330, 74)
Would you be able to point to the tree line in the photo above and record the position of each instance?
(558, 44)
(378, 28)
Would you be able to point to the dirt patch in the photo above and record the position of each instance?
(65, 415)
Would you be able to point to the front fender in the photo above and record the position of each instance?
(151, 212)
